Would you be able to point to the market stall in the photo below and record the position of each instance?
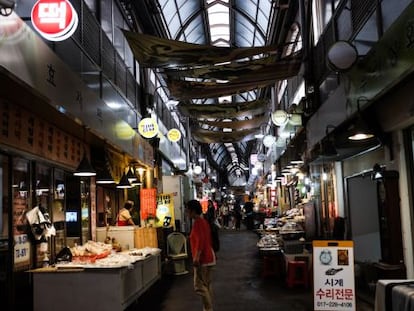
(109, 283)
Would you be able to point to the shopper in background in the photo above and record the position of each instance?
(202, 252)
(124, 216)
(248, 210)
(211, 217)
(237, 214)
(224, 211)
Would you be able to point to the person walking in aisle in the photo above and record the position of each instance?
(224, 212)
(248, 209)
(202, 252)
(237, 216)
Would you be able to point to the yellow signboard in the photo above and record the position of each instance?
(333, 270)
(148, 128)
(165, 210)
(174, 135)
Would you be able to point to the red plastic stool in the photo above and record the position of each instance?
(297, 273)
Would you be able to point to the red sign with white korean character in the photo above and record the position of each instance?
(333, 270)
(148, 202)
(54, 20)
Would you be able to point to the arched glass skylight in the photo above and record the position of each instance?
(219, 20)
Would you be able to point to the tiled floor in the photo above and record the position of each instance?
(238, 284)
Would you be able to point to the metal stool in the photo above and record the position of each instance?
(297, 273)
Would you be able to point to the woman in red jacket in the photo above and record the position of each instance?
(202, 252)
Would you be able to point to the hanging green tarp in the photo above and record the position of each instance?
(238, 70)
(249, 80)
(155, 52)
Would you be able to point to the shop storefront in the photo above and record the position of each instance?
(50, 121)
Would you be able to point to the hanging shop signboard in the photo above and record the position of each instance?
(333, 270)
(279, 117)
(54, 20)
(148, 128)
(174, 135)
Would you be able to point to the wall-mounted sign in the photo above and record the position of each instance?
(174, 135)
(333, 268)
(295, 119)
(280, 117)
(25, 131)
(148, 202)
(54, 20)
(148, 128)
(165, 209)
(21, 251)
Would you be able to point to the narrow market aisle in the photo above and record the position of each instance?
(237, 281)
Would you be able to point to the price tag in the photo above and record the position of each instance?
(21, 249)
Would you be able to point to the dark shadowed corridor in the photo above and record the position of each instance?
(238, 284)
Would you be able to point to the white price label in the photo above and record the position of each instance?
(21, 248)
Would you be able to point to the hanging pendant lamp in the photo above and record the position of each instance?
(85, 168)
(131, 175)
(124, 183)
(104, 177)
(359, 130)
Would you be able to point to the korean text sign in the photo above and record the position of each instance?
(148, 202)
(333, 268)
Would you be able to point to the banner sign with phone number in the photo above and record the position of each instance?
(21, 249)
(333, 270)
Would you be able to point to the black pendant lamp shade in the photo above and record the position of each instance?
(124, 183)
(131, 175)
(360, 131)
(85, 168)
(104, 177)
